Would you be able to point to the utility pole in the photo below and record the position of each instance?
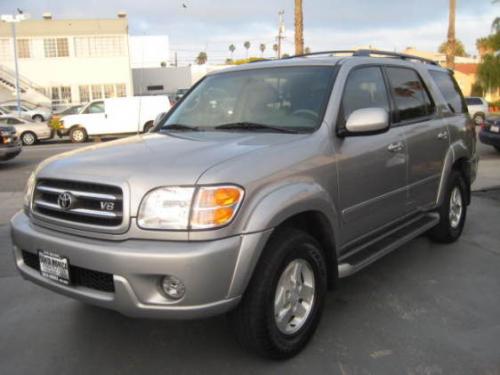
(299, 28)
(281, 31)
(451, 42)
(13, 19)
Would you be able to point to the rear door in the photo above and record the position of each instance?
(426, 134)
(371, 168)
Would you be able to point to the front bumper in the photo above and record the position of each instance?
(489, 138)
(215, 273)
(10, 151)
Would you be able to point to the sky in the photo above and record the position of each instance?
(212, 25)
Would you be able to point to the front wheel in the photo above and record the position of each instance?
(452, 212)
(28, 138)
(284, 300)
(38, 118)
(78, 135)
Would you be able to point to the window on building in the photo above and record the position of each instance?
(56, 47)
(5, 49)
(55, 93)
(66, 94)
(121, 90)
(23, 48)
(84, 94)
(155, 88)
(100, 46)
(109, 91)
(96, 92)
(410, 95)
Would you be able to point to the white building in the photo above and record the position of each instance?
(69, 61)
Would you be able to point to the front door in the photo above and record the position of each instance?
(95, 118)
(371, 168)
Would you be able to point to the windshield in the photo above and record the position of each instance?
(291, 98)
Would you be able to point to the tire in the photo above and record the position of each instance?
(78, 135)
(451, 221)
(497, 148)
(254, 320)
(478, 119)
(148, 126)
(28, 138)
(38, 118)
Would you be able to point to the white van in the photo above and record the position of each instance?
(114, 116)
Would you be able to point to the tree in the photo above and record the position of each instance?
(247, 46)
(262, 48)
(451, 48)
(202, 58)
(488, 72)
(458, 51)
(275, 49)
(232, 48)
(299, 28)
(495, 25)
(307, 50)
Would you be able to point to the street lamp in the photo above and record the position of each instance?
(13, 19)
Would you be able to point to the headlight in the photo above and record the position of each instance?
(28, 191)
(183, 208)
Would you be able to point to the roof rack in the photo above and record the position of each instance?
(368, 53)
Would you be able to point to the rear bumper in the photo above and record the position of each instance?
(10, 151)
(489, 138)
(211, 270)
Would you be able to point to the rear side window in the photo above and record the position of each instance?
(410, 96)
(450, 91)
(365, 88)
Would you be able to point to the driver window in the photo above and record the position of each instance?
(97, 107)
(365, 88)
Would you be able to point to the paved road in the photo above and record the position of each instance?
(424, 309)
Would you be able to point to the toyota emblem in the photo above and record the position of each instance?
(65, 200)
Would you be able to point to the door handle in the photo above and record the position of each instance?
(395, 147)
(443, 135)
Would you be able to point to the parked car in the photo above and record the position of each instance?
(114, 116)
(28, 111)
(490, 133)
(30, 132)
(4, 111)
(10, 145)
(478, 108)
(256, 193)
(55, 120)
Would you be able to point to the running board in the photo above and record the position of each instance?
(366, 255)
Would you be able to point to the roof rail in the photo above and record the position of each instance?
(368, 53)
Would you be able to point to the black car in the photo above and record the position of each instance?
(10, 144)
(490, 133)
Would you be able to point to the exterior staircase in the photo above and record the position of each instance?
(30, 92)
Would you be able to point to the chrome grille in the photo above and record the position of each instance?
(79, 202)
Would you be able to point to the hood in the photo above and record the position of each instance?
(157, 159)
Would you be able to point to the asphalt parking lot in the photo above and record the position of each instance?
(424, 309)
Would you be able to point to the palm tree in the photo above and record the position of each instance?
(262, 48)
(451, 42)
(495, 25)
(232, 48)
(247, 46)
(307, 50)
(299, 28)
(275, 49)
(201, 58)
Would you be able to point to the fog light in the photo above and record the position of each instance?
(173, 287)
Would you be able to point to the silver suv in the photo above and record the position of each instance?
(264, 185)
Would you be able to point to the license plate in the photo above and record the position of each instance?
(54, 267)
(495, 129)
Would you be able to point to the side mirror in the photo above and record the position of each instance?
(368, 120)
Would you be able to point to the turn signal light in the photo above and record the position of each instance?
(215, 206)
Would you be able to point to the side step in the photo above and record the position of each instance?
(366, 255)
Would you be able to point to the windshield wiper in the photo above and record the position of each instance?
(245, 125)
(180, 127)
